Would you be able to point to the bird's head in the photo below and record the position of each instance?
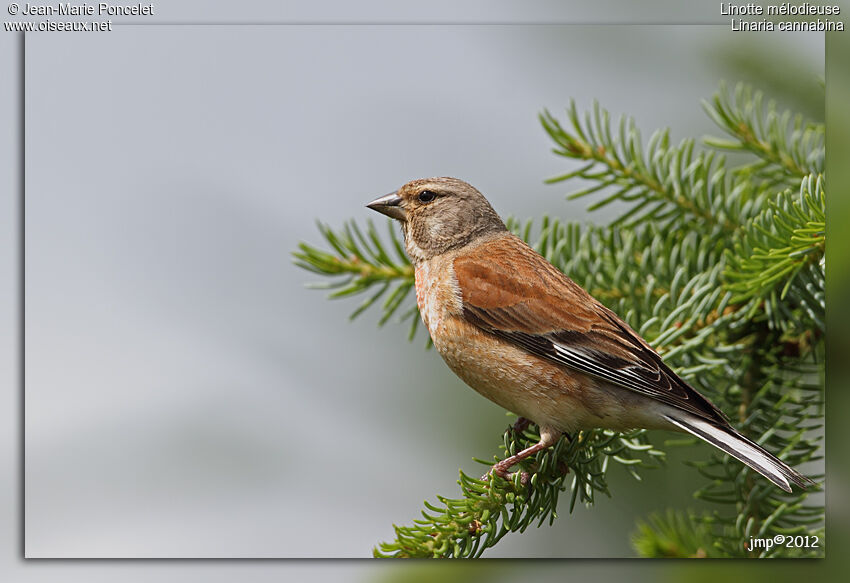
(438, 215)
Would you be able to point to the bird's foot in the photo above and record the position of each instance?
(521, 424)
(524, 478)
(502, 471)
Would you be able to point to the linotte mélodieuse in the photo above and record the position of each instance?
(785, 9)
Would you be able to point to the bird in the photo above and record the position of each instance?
(523, 334)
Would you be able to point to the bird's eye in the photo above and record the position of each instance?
(427, 196)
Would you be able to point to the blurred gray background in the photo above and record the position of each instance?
(186, 396)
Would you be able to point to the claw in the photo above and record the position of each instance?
(524, 477)
(521, 424)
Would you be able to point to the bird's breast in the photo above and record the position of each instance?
(437, 293)
(503, 373)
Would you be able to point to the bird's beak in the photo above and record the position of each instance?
(389, 205)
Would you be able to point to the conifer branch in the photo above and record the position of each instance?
(667, 184)
(359, 264)
(492, 507)
(674, 535)
(783, 242)
(787, 148)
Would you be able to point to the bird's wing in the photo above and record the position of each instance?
(508, 290)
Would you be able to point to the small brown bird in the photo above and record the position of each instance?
(528, 338)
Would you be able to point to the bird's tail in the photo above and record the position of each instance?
(741, 448)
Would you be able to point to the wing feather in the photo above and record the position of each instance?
(516, 295)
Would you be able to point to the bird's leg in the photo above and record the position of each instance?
(548, 437)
